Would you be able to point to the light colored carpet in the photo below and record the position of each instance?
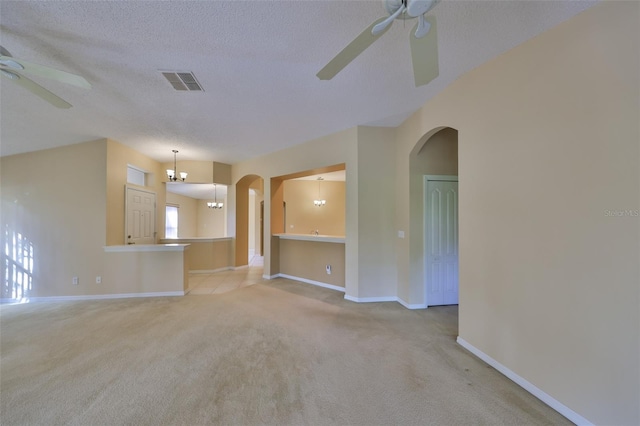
(277, 352)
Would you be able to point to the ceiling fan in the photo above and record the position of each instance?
(422, 40)
(13, 69)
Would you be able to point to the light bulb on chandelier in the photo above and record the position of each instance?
(215, 204)
(319, 202)
(171, 174)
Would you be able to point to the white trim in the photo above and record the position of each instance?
(370, 299)
(235, 268)
(318, 283)
(96, 297)
(526, 385)
(211, 271)
(270, 277)
(192, 240)
(412, 306)
(145, 247)
(312, 237)
(446, 178)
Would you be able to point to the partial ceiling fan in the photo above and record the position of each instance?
(422, 39)
(14, 70)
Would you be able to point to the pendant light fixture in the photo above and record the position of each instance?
(215, 204)
(319, 202)
(172, 174)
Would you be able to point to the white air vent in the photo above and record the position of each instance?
(183, 80)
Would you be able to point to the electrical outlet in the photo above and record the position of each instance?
(75, 281)
(328, 269)
(98, 279)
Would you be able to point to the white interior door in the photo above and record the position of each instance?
(140, 216)
(441, 241)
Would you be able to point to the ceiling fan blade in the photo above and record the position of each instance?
(349, 53)
(378, 28)
(44, 71)
(38, 90)
(424, 54)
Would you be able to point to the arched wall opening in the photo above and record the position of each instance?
(243, 215)
(436, 153)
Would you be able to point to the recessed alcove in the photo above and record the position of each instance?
(308, 237)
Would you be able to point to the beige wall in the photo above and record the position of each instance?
(206, 255)
(548, 142)
(118, 157)
(548, 146)
(376, 214)
(196, 219)
(210, 223)
(146, 272)
(56, 200)
(303, 216)
(201, 171)
(308, 259)
(68, 202)
(187, 214)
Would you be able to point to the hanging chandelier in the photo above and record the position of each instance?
(215, 204)
(171, 174)
(319, 202)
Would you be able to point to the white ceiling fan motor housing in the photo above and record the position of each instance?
(415, 8)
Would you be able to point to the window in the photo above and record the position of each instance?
(171, 222)
(136, 176)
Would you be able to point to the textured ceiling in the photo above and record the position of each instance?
(256, 60)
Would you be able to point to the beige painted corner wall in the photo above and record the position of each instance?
(303, 216)
(118, 158)
(56, 199)
(370, 272)
(377, 273)
(548, 148)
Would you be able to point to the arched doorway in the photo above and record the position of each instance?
(248, 230)
(435, 155)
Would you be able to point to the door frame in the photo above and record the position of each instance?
(425, 219)
(126, 210)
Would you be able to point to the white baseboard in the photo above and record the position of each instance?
(270, 277)
(370, 299)
(94, 297)
(318, 283)
(210, 271)
(412, 306)
(526, 385)
(235, 268)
